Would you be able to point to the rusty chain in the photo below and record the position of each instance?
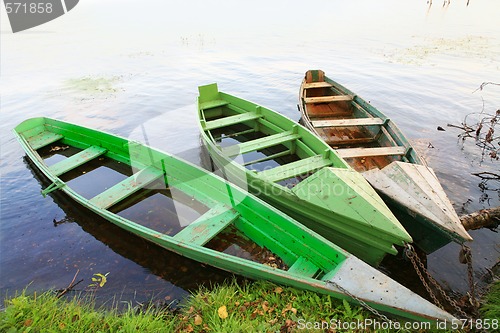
(360, 301)
(467, 253)
(420, 270)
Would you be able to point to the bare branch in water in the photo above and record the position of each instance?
(484, 84)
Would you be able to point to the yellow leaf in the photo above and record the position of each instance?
(198, 320)
(289, 308)
(222, 312)
(264, 306)
(103, 281)
(278, 290)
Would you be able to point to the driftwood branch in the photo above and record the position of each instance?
(483, 218)
(70, 286)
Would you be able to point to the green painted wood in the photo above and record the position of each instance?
(335, 218)
(261, 143)
(126, 187)
(76, 160)
(296, 168)
(207, 226)
(208, 93)
(258, 221)
(231, 120)
(43, 139)
(213, 104)
(304, 267)
(269, 157)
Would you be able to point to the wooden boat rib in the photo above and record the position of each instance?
(371, 143)
(311, 262)
(288, 166)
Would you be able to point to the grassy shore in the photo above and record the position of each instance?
(254, 307)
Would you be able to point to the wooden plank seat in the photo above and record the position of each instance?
(328, 99)
(366, 152)
(230, 120)
(126, 187)
(296, 168)
(304, 267)
(76, 160)
(348, 122)
(311, 85)
(207, 226)
(43, 139)
(261, 143)
(213, 104)
(339, 142)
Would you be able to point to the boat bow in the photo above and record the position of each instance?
(417, 188)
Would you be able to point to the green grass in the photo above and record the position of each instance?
(47, 313)
(491, 307)
(254, 307)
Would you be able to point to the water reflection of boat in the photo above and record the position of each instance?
(283, 251)
(372, 144)
(291, 168)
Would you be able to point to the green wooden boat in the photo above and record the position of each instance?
(63, 151)
(288, 166)
(372, 144)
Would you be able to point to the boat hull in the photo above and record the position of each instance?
(334, 201)
(385, 158)
(301, 248)
(310, 216)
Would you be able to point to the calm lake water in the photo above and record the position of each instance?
(133, 68)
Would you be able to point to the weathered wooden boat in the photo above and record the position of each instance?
(64, 151)
(372, 144)
(288, 166)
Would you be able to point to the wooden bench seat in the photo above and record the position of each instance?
(304, 267)
(207, 226)
(366, 152)
(126, 187)
(43, 139)
(230, 120)
(328, 99)
(261, 143)
(213, 104)
(296, 168)
(311, 85)
(76, 160)
(348, 122)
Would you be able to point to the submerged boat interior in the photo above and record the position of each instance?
(168, 203)
(155, 206)
(359, 137)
